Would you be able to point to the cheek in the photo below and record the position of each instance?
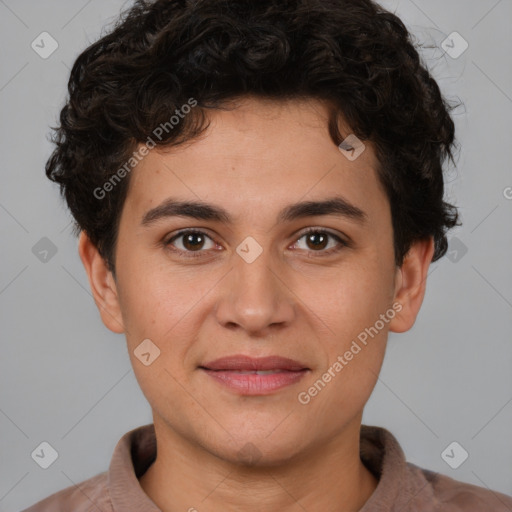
(354, 356)
(351, 305)
(167, 308)
(352, 299)
(152, 298)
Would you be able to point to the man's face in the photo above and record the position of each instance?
(304, 297)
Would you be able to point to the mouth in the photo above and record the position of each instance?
(255, 376)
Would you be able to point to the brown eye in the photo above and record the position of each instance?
(317, 240)
(189, 241)
(193, 241)
(321, 241)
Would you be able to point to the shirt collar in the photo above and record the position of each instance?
(379, 449)
(134, 453)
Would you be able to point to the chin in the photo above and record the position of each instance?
(256, 450)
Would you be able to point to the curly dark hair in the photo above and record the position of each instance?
(352, 54)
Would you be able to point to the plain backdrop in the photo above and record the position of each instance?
(67, 380)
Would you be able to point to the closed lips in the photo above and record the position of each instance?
(255, 372)
(262, 365)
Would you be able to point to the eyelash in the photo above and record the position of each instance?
(196, 254)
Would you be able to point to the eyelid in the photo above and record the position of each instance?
(314, 229)
(167, 242)
(342, 241)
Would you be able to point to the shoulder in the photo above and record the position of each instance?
(91, 494)
(453, 495)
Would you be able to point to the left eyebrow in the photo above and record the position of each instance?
(199, 210)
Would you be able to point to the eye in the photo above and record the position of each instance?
(192, 242)
(317, 240)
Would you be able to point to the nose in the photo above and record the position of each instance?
(256, 297)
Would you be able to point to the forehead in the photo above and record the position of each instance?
(255, 158)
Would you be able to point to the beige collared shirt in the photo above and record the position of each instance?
(402, 487)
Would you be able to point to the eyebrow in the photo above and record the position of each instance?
(199, 210)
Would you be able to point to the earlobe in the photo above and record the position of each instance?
(102, 283)
(411, 282)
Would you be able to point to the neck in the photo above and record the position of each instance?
(328, 476)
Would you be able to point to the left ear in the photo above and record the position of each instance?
(411, 283)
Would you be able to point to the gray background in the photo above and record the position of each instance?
(67, 380)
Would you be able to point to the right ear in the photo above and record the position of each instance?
(102, 283)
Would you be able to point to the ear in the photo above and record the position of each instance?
(411, 283)
(102, 283)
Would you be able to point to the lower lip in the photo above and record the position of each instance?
(254, 384)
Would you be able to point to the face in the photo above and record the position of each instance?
(264, 277)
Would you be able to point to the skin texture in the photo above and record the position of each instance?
(291, 301)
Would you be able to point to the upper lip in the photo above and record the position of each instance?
(245, 363)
